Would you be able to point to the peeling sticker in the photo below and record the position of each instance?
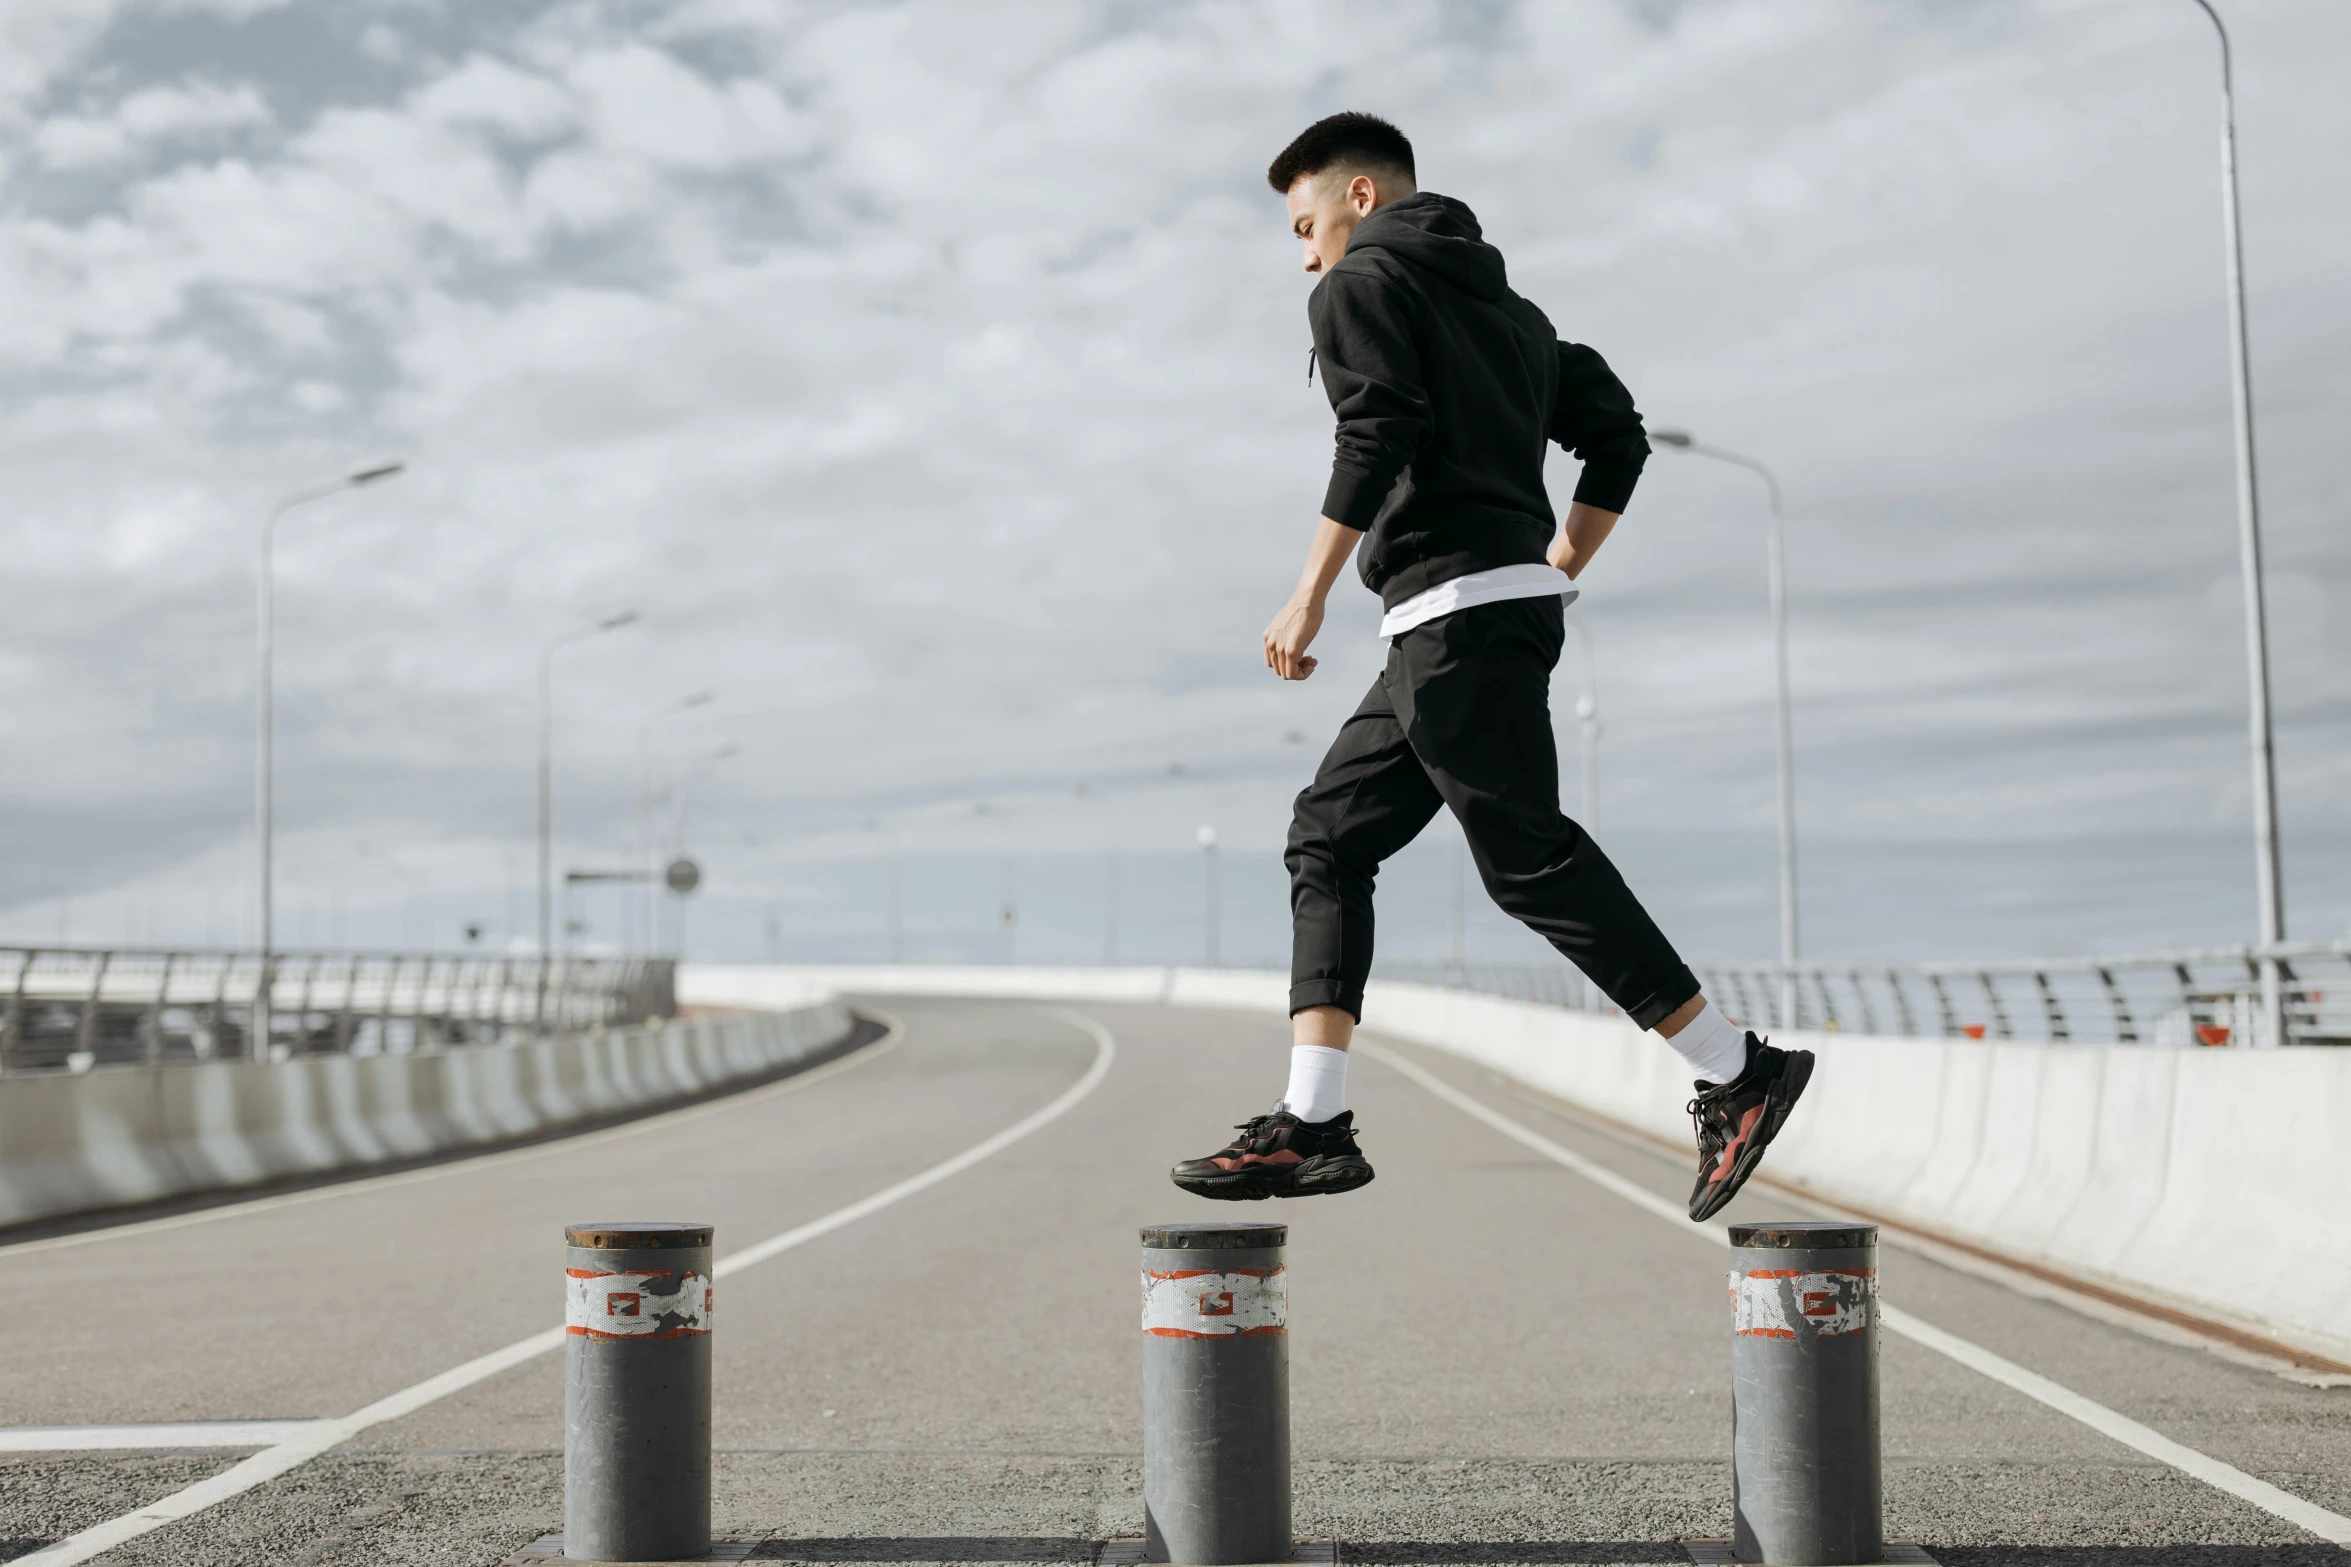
(1197, 1303)
(636, 1305)
(1783, 1303)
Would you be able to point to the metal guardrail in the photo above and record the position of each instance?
(2208, 996)
(69, 1009)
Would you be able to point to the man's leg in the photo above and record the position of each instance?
(1368, 799)
(1474, 700)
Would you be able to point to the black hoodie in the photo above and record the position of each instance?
(1447, 385)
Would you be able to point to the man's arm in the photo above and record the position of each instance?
(1593, 416)
(1363, 339)
(1292, 631)
(1586, 530)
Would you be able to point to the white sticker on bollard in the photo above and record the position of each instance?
(1198, 1303)
(635, 1305)
(1778, 1302)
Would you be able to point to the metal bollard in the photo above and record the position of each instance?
(1804, 1393)
(1216, 1394)
(636, 1392)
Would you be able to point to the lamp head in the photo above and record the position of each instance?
(370, 475)
(1673, 437)
(627, 617)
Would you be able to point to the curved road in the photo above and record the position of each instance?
(1495, 1359)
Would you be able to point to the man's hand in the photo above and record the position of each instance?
(1292, 631)
(1290, 635)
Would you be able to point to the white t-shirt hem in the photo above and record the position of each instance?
(1479, 587)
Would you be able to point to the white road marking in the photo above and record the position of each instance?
(2226, 1477)
(159, 1434)
(893, 1032)
(292, 1453)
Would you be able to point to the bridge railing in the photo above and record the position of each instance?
(2206, 996)
(69, 1009)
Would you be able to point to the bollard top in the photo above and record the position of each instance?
(1214, 1237)
(636, 1235)
(1806, 1235)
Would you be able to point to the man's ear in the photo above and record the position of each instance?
(1362, 194)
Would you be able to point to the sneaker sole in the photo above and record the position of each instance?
(1776, 1106)
(1306, 1180)
(1239, 1186)
(1318, 1179)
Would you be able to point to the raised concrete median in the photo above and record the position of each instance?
(74, 1142)
(2201, 1178)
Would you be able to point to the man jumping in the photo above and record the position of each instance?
(1447, 386)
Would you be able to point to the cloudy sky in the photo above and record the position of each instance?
(930, 378)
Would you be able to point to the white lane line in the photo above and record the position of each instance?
(2227, 1477)
(893, 1031)
(2099, 1418)
(267, 1465)
(155, 1434)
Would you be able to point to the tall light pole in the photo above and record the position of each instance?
(266, 715)
(645, 835)
(547, 787)
(1790, 945)
(2268, 881)
(1206, 838)
(685, 784)
(704, 767)
(1587, 712)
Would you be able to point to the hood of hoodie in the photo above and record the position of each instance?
(1440, 234)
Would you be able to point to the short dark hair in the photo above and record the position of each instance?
(1339, 140)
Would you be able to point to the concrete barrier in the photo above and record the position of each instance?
(2202, 1178)
(74, 1142)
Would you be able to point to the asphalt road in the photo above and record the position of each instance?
(1493, 1358)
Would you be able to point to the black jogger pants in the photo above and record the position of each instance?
(1461, 718)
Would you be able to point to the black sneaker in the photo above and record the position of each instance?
(1278, 1155)
(1737, 1120)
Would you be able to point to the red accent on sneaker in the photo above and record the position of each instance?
(1730, 1150)
(1280, 1156)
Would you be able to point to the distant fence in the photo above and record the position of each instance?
(69, 1009)
(2209, 996)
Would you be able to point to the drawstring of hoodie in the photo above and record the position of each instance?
(1310, 364)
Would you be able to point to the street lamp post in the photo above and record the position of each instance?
(2268, 882)
(682, 794)
(1587, 712)
(645, 834)
(1206, 838)
(547, 792)
(265, 748)
(1790, 945)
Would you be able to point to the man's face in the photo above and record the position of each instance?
(1324, 209)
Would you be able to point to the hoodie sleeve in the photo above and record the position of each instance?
(1593, 416)
(1363, 341)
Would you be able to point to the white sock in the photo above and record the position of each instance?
(1318, 1082)
(1715, 1047)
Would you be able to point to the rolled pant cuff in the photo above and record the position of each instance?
(1660, 1003)
(1329, 993)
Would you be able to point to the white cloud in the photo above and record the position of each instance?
(932, 376)
(147, 118)
(642, 102)
(487, 91)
